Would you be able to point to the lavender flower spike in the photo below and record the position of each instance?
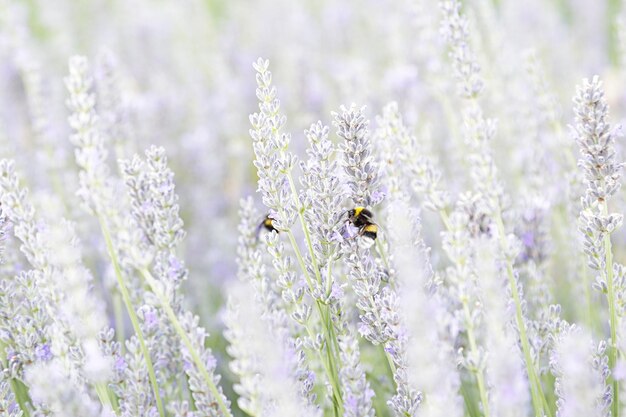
(596, 140)
(358, 162)
(580, 372)
(430, 351)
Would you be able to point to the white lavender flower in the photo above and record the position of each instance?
(464, 287)
(275, 362)
(484, 173)
(4, 223)
(406, 164)
(273, 161)
(357, 393)
(91, 156)
(580, 376)
(111, 105)
(8, 404)
(245, 355)
(380, 322)
(250, 258)
(479, 130)
(455, 31)
(155, 210)
(274, 164)
(596, 140)
(324, 195)
(248, 386)
(358, 162)
(505, 371)
(61, 281)
(24, 323)
(209, 399)
(136, 397)
(96, 188)
(430, 349)
(48, 385)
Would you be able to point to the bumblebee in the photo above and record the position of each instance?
(268, 224)
(363, 219)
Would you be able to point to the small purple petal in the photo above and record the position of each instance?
(43, 353)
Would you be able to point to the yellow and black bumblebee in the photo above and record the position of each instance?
(363, 219)
(268, 224)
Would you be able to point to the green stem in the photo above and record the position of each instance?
(470, 407)
(478, 372)
(105, 397)
(152, 282)
(186, 341)
(539, 401)
(325, 313)
(612, 11)
(119, 321)
(323, 310)
(131, 313)
(608, 250)
(536, 391)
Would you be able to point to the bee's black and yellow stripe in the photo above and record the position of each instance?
(360, 216)
(370, 231)
(268, 223)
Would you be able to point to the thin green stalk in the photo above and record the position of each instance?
(536, 391)
(608, 250)
(331, 367)
(105, 396)
(305, 229)
(131, 313)
(329, 334)
(612, 11)
(336, 407)
(478, 372)
(539, 402)
(186, 341)
(119, 321)
(470, 406)
(331, 340)
(392, 366)
(328, 367)
(294, 244)
(445, 219)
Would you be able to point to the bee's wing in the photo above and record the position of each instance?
(258, 229)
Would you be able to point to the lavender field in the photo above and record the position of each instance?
(312, 208)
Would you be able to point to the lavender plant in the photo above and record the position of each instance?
(596, 140)
(426, 263)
